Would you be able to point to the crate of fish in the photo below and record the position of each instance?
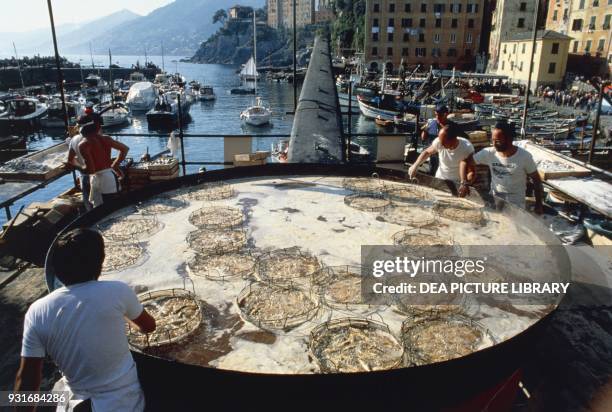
(413, 216)
(424, 242)
(217, 217)
(161, 205)
(129, 229)
(276, 307)
(222, 267)
(460, 210)
(442, 338)
(120, 256)
(216, 242)
(286, 266)
(354, 345)
(177, 314)
(210, 192)
(367, 202)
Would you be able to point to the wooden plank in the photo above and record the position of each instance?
(568, 169)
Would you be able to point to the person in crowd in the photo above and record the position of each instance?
(510, 167)
(452, 148)
(81, 326)
(430, 131)
(95, 148)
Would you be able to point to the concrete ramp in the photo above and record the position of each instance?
(316, 136)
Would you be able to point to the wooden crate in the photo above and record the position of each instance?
(37, 157)
(540, 154)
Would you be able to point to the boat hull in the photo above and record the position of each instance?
(373, 112)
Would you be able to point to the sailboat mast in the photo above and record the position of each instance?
(163, 63)
(110, 78)
(93, 66)
(18, 66)
(255, 48)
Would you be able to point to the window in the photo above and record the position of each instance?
(469, 38)
(523, 6)
(511, 65)
(407, 8)
(581, 6)
(520, 66)
(420, 52)
(565, 11)
(469, 8)
(376, 8)
(406, 22)
(453, 38)
(375, 23)
(575, 47)
(436, 38)
(554, 15)
(422, 23)
(514, 48)
(577, 25)
(406, 37)
(374, 36)
(600, 45)
(374, 51)
(505, 48)
(392, 8)
(421, 37)
(606, 23)
(452, 53)
(423, 8)
(471, 23)
(389, 51)
(587, 48)
(503, 65)
(592, 23)
(595, 3)
(405, 51)
(454, 23)
(389, 36)
(438, 23)
(524, 47)
(555, 48)
(391, 23)
(438, 8)
(551, 68)
(521, 22)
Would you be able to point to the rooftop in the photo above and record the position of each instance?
(542, 34)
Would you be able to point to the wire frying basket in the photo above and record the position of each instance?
(340, 287)
(216, 242)
(217, 217)
(354, 345)
(129, 229)
(177, 314)
(211, 191)
(413, 216)
(443, 337)
(422, 242)
(460, 210)
(365, 185)
(276, 307)
(409, 193)
(286, 265)
(161, 205)
(222, 267)
(370, 202)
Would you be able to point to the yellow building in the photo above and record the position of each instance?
(549, 60)
(280, 13)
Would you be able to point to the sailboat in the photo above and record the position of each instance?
(258, 114)
(249, 71)
(115, 114)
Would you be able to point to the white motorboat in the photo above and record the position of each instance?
(256, 115)
(207, 93)
(116, 114)
(21, 113)
(141, 97)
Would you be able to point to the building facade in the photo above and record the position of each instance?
(439, 33)
(280, 13)
(324, 11)
(509, 18)
(549, 60)
(238, 12)
(589, 22)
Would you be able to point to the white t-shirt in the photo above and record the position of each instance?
(74, 145)
(450, 159)
(508, 174)
(82, 328)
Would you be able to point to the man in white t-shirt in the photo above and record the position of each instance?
(510, 167)
(81, 326)
(451, 150)
(76, 161)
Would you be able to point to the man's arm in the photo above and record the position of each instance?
(144, 322)
(467, 169)
(425, 154)
(538, 192)
(121, 148)
(28, 377)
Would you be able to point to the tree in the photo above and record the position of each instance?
(220, 16)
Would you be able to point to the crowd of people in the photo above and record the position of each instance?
(578, 100)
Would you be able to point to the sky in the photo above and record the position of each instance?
(27, 15)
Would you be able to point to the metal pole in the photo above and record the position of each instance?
(350, 121)
(294, 57)
(596, 124)
(533, 46)
(19, 66)
(180, 125)
(60, 77)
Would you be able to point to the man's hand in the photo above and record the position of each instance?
(118, 172)
(464, 190)
(412, 171)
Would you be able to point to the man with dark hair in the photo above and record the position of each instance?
(510, 167)
(452, 147)
(430, 131)
(95, 148)
(81, 326)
